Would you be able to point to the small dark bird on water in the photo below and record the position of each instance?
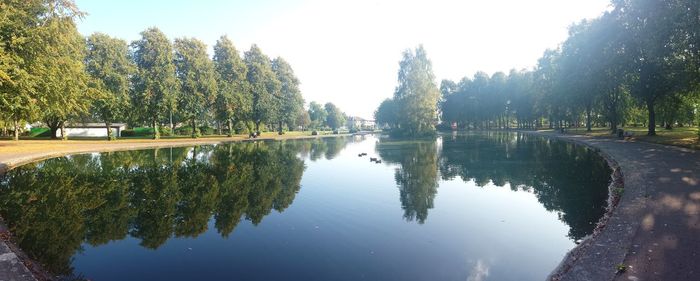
(372, 159)
(378, 161)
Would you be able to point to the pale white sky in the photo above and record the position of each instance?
(347, 52)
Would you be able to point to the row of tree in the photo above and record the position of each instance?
(638, 63)
(49, 72)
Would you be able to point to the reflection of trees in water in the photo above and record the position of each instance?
(416, 174)
(54, 206)
(566, 179)
(327, 148)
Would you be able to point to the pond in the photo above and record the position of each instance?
(467, 206)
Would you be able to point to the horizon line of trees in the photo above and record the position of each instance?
(637, 64)
(50, 73)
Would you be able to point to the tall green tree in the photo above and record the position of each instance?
(291, 102)
(263, 86)
(59, 69)
(335, 118)
(416, 94)
(19, 20)
(317, 115)
(386, 114)
(155, 84)
(233, 100)
(110, 66)
(196, 75)
(652, 40)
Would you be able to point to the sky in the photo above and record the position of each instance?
(347, 51)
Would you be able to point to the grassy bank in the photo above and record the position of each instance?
(683, 136)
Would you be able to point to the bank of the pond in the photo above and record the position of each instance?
(653, 232)
(15, 265)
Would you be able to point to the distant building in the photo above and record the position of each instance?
(361, 123)
(92, 130)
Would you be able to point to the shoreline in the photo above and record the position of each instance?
(17, 265)
(616, 181)
(614, 241)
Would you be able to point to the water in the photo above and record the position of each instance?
(473, 206)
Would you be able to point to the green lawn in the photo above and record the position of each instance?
(681, 136)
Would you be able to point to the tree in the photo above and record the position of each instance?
(195, 72)
(303, 119)
(291, 102)
(109, 65)
(263, 86)
(61, 79)
(335, 118)
(155, 83)
(233, 99)
(417, 94)
(317, 114)
(18, 100)
(652, 41)
(386, 113)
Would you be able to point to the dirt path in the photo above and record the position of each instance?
(655, 230)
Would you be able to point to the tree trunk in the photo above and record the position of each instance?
(588, 119)
(218, 124)
(194, 128)
(230, 128)
(63, 131)
(156, 133)
(16, 134)
(652, 118)
(109, 130)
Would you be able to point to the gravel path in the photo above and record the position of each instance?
(655, 230)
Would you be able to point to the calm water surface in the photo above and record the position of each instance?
(472, 206)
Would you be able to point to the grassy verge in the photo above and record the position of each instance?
(42, 144)
(683, 136)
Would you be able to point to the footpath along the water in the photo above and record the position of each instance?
(654, 232)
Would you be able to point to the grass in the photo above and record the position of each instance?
(681, 136)
(41, 144)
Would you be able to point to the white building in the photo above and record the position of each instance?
(361, 123)
(92, 130)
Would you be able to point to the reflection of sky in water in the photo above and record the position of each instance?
(351, 220)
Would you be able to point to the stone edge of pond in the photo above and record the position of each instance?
(16, 265)
(596, 257)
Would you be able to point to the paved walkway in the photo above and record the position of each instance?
(655, 230)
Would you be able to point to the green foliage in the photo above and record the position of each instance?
(335, 118)
(317, 115)
(154, 84)
(290, 101)
(264, 86)
(416, 96)
(195, 73)
(233, 100)
(109, 65)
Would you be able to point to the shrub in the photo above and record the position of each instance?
(314, 133)
(206, 130)
(166, 131)
(335, 132)
(128, 133)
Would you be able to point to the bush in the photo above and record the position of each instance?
(314, 133)
(354, 130)
(166, 131)
(335, 132)
(128, 133)
(206, 130)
